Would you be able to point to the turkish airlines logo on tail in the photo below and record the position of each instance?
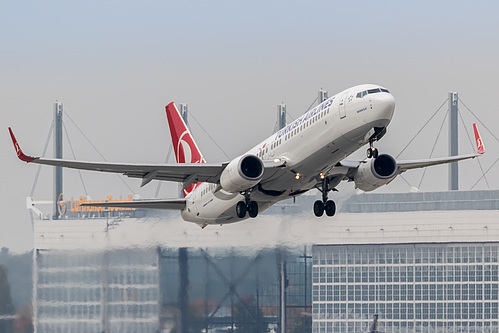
(187, 151)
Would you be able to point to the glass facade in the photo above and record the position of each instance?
(110, 291)
(413, 287)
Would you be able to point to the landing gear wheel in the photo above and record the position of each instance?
(318, 208)
(372, 152)
(241, 209)
(253, 209)
(330, 208)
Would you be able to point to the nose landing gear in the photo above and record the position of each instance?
(325, 205)
(372, 152)
(379, 132)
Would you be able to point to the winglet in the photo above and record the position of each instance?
(478, 139)
(19, 152)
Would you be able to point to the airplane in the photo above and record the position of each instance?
(374, 326)
(308, 153)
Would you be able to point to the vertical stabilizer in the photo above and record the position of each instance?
(186, 149)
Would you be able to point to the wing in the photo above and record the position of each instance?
(415, 164)
(347, 168)
(188, 173)
(174, 204)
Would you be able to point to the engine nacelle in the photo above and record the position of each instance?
(242, 173)
(375, 172)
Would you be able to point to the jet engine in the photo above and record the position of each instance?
(242, 173)
(375, 172)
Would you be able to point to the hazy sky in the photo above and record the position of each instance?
(116, 64)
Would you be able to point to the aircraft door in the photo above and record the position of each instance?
(342, 109)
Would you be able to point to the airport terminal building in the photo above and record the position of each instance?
(419, 263)
(424, 262)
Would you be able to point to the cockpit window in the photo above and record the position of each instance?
(371, 91)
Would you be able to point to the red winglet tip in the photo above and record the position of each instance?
(19, 152)
(478, 139)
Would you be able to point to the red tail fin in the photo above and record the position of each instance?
(186, 150)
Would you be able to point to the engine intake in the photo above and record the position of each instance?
(242, 173)
(376, 172)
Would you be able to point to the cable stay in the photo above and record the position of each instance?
(434, 145)
(213, 140)
(315, 100)
(308, 109)
(491, 133)
(438, 136)
(98, 152)
(166, 161)
(427, 122)
(74, 157)
(473, 147)
(414, 137)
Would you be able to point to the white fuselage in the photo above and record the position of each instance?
(311, 145)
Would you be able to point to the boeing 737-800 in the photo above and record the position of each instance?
(308, 153)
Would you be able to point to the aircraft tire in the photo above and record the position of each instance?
(241, 209)
(318, 208)
(372, 152)
(330, 208)
(253, 209)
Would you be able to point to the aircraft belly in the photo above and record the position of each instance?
(357, 135)
(219, 208)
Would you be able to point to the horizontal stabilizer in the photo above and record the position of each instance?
(173, 204)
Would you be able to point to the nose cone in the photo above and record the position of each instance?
(384, 104)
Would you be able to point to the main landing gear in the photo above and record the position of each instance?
(325, 205)
(247, 206)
